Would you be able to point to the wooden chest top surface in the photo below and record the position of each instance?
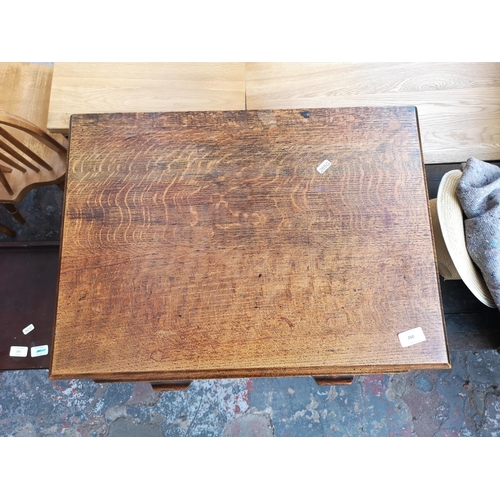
(208, 245)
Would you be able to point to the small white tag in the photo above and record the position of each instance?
(410, 337)
(17, 351)
(40, 350)
(28, 329)
(323, 167)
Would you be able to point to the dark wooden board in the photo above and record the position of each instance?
(207, 245)
(28, 283)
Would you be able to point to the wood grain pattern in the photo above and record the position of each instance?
(458, 103)
(25, 91)
(207, 245)
(124, 87)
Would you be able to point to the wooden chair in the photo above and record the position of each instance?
(29, 157)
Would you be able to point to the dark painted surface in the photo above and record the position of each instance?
(28, 287)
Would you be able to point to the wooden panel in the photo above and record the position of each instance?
(28, 285)
(207, 245)
(125, 87)
(25, 91)
(458, 103)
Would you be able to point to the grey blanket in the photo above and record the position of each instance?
(479, 194)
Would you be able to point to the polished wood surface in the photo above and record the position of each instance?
(458, 103)
(207, 245)
(123, 87)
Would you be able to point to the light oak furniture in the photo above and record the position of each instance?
(458, 103)
(124, 87)
(208, 245)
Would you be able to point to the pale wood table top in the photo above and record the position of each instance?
(208, 245)
(458, 103)
(131, 87)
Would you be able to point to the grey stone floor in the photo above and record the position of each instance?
(463, 401)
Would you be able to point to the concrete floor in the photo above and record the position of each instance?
(463, 401)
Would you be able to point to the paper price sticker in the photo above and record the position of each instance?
(28, 329)
(411, 337)
(323, 167)
(40, 350)
(18, 351)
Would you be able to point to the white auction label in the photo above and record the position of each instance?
(18, 351)
(323, 167)
(41, 350)
(28, 329)
(410, 337)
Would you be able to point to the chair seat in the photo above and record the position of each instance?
(27, 169)
(23, 168)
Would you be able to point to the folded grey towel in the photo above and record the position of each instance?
(479, 194)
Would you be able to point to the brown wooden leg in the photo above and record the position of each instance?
(12, 209)
(334, 380)
(174, 385)
(7, 231)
